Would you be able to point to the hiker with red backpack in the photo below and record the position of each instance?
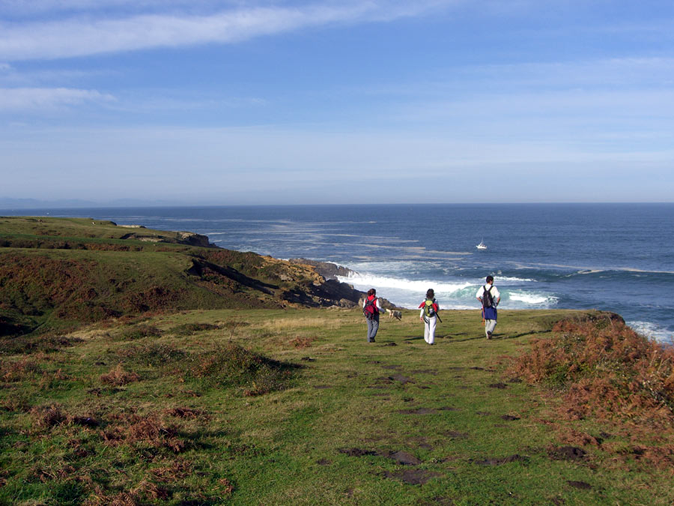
(489, 297)
(429, 316)
(371, 310)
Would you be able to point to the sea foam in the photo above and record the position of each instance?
(652, 331)
(451, 295)
(420, 287)
(532, 298)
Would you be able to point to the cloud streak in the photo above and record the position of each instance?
(39, 99)
(83, 36)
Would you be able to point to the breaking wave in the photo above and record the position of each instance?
(373, 280)
(652, 331)
(458, 294)
(532, 298)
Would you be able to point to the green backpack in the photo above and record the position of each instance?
(429, 308)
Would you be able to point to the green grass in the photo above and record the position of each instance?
(58, 273)
(74, 229)
(141, 372)
(294, 407)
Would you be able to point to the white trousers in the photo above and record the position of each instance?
(489, 326)
(429, 329)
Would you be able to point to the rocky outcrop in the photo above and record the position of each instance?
(187, 238)
(326, 269)
(333, 292)
(194, 239)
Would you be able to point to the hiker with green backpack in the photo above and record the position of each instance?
(429, 316)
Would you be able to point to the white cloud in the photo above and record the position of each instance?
(33, 7)
(11, 77)
(79, 36)
(39, 99)
(162, 102)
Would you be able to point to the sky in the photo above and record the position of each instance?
(206, 102)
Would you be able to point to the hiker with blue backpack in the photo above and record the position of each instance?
(429, 316)
(489, 297)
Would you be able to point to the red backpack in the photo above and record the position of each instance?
(370, 308)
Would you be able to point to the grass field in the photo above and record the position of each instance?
(140, 367)
(294, 407)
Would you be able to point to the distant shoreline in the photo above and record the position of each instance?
(61, 206)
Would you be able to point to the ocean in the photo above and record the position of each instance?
(614, 257)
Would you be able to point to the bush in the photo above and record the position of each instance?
(119, 377)
(32, 344)
(48, 416)
(143, 431)
(154, 355)
(233, 365)
(26, 368)
(605, 368)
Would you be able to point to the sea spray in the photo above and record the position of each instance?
(456, 294)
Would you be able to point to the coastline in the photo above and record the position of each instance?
(343, 286)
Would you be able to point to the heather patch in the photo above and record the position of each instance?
(151, 354)
(604, 368)
(232, 365)
(119, 377)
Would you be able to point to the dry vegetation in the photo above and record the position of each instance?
(119, 377)
(606, 369)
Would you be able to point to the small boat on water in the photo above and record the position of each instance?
(482, 245)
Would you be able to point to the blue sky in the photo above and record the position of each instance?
(302, 102)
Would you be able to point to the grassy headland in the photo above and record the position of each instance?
(56, 274)
(249, 405)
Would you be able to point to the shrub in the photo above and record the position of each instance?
(31, 344)
(302, 342)
(154, 355)
(48, 416)
(20, 370)
(119, 377)
(605, 368)
(144, 430)
(233, 365)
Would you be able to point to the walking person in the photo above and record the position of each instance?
(371, 310)
(429, 316)
(489, 297)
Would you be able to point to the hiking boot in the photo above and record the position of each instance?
(488, 335)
